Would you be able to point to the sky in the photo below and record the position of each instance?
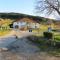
(19, 6)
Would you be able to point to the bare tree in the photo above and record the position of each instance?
(48, 6)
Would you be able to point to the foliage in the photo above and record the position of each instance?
(5, 22)
(48, 35)
(4, 26)
(17, 16)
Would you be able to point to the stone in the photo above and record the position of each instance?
(3, 49)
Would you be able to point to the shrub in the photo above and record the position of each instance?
(48, 35)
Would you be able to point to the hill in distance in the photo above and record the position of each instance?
(16, 16)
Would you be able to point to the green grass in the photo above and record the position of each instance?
(45, 47)
(42, 42)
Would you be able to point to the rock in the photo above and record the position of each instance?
(3, 49)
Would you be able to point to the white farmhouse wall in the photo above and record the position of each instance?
(24, 24)
(37, 25)
(20, 24)
(15, 23)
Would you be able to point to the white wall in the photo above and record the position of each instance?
(20, 24)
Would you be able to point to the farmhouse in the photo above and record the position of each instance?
(25, 23)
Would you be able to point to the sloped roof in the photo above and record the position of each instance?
(26, 20)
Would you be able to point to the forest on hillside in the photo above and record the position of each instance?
(16, 16)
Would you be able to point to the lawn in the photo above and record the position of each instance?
(43, 28)
(46, 45)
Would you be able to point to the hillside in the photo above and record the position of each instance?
(16, 16)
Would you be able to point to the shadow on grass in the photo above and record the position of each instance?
(46, 45)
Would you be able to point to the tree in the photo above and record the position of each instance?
(48, 6)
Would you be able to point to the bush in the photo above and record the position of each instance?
(57, 44)
(56, 30)
(48, 35)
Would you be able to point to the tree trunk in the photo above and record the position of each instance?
(58, 12)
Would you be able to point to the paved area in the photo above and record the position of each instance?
(22, 49)
(18, 56)
(26, 50)
(11, 37)
(18, 33)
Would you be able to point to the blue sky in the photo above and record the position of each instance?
(22, 6)
(19, 6)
